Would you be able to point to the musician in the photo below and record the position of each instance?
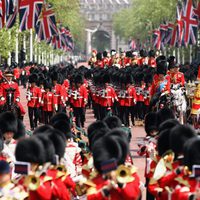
(9, 190)
(105, 58)
(10, 84)
(176, 77)
(99, 63)
(33, 96)
(112, 58)
(79, 100)
(47, 102)
(106, 183)
(59, 93)
(143, 60)
(93, 59)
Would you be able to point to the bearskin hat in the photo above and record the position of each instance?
(143, 53)
(150, 123)
(42, 130)
(54, 76)
(152, 53)
(105, 54)
(168, 124)
(113, 122)
(99, 56)
(104, 150)
(48, 147)
(79, 78)
(163, 143)
(192, 152)
(172, 61)
(58, 141)
(21, 130)
(33, 78)
(178, 136)
(47, 85)
(96, 126)
(163, 115)
(159, 59)
(8, 122)
(162, 67)
(30, 150)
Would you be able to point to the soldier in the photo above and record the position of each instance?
(10, 84)
(9, 190)
(105, 58)
(176, 77)
(48, 102)
(152, 60)
(143, 60)
(79, 100)
(34, 96)
(99, 63)
(59, 93)
(93, 59)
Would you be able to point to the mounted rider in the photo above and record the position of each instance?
(8, 83)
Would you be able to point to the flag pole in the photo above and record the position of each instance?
(31, 45)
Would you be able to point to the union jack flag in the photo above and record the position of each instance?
(69, 39)
(157, 39)
(46, 25)
(171, 38)
(190, 23)
(197, 10)
(12, 11)
(163, 32)
(29, 12)
(180, 24)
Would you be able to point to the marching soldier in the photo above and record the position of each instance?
(152, 60)
(105, 58)
(59, 93)
(93, 59)
(34, 96)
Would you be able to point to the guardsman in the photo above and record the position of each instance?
(16, 73)
(107, 97)
(79, 98)
(152, 60)
(48, 102)
(33, 96)
(10, 84)
(59, 93)
(143, 60)
(107, 183)
(105, 58)
(99, 63)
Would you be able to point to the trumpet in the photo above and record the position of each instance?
(32, 182)
(124, 174)
(61, 168)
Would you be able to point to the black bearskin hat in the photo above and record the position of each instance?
(143, 53)
(42, 130)
(172, 61)
(192, 152)
(170, 123)
(150, 123)
(152, 53)
(163, 115)
(21, 130)
(105, 54)
(59, 142)
(99, 56)
(30, 150)
(113, 122)
(57, 117)
(162, 67)
(104, 150)
(178, 136)
(33, 78)
(54, 76)
(48, 147)
(79, 78)
(8, 122)
(163, 143)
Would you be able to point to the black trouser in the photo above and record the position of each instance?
(103, 112)
(41, 115)
(79, 114)
(33, 117)
(47, 116)
(140, 110)
(124, 115)
(149, 196)
(132, 111)
(23, 81)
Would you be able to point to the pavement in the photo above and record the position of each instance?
(138, 134)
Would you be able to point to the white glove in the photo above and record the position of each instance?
(17, 99)
(2, 98)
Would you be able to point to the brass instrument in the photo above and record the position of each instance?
(61, 168)
(32, 181)
(124, 174)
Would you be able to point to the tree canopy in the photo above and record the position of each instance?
(140, 19)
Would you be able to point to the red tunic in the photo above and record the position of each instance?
(59, 94)
(17, 73)
(177, 78)
(130, 191)
(152, 62)
(81, 97)
(34, 96)
(48, 101)
(160, 86)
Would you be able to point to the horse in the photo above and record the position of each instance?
(159, 101)
(179, 103)
(10, 105)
